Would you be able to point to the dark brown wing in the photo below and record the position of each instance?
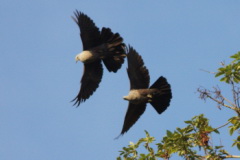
(115, 49)
(133, 114)
(90, 34)
(137, 72)
(91, 78)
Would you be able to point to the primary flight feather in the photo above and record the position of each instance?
(98, 46)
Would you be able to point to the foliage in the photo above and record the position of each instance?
(183, 141)
(192, 141)
(235, 121)
(231, 72)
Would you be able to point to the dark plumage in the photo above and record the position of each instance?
(98, 46)
(158, 95)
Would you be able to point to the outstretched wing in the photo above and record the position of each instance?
(91, 78)
(90, 34)
(137, 72)
(133, 114)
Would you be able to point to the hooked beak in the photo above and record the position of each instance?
(125, 98)
(76, 59)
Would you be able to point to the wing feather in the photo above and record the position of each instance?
(91, 78)
(90, 34)
(133, 114)
(137, 72)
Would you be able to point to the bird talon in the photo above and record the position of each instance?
(149, 96)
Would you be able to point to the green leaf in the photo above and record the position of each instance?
(216, 131)
(238, 146)
(235, 80)
(219, 74)
(131, 143)
(234, 144)
(189, 130)
(218, 147)
(238, 138)
(169, 133)
(236, 56)
(188, 122)
(143, 156)
(208, 156)
(146, 132)
(224, 79)
(237, 75)
(209, 129)
(233, 120)
(231, 131)
(179, 130)
(224, 151)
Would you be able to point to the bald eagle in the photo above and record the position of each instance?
(158, 95)
(98, 46)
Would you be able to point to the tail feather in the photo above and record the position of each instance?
(161, 100)
(115, 49)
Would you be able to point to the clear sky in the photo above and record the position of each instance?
(39, 76)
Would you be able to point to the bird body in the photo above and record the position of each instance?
(137, 96)
(158, 94)
(99, 46)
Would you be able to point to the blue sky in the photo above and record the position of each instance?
(39, 76)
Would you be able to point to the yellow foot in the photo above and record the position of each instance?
(149, 96)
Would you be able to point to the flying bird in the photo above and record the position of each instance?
(158, 95)
(98, 46)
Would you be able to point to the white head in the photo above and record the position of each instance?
(84, 56)
(132, 95)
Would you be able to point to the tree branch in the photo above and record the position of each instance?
(221, 126)
(233, 108)
(234, 93)
(208, 71)
(228, 101)
(230, 156)
(225, 157)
